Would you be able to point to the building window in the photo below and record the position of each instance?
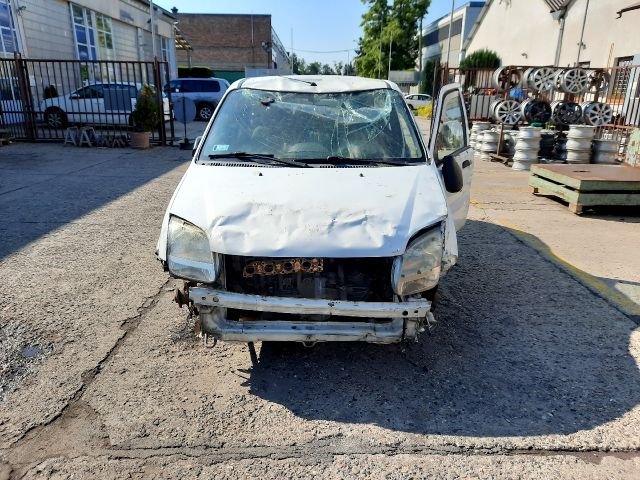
(8, 40)
(164, 48)
(105, 37)
(84, 33)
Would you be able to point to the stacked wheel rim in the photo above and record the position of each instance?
(565, 113)
(506, 78)
(573, 80)
(541, 79)
(605, 151)
(535, 111)
(475, 131)
(579, 143)
(596, 113)
(526, 148)
(506, 112)
(547, 142)
(488, 144)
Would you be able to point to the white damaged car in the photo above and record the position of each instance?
(313, 211)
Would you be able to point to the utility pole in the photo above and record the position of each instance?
(453, 3)
(390, 44)
(420, 47)
(292, 51)
(380, 53)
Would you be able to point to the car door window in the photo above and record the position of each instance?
(209, 86)
(451, 135)
(186, 86)
(92, 91)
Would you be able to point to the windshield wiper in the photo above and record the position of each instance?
(261, 158)
(362, 161)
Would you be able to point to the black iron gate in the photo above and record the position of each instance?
(39, 99)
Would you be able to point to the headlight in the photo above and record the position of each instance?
(418, 269)
(188, 252)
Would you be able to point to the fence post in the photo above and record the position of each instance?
(22, 74)
(157, 80)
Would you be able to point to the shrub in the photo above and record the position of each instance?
(425, 111)
(146, 115)
(195, 72)
(483, 58)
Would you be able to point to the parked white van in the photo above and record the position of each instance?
(313, 211)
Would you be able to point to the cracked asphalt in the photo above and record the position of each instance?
(529, 374)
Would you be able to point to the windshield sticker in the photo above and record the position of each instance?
(220, 148)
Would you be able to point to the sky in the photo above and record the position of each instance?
(317, 25)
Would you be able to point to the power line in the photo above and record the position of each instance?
(326, 51)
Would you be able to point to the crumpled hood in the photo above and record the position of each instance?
(319, 212)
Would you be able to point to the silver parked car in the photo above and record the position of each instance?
(206, 93)
(95, 104)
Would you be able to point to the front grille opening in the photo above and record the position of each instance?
(252, 316)
(352, 279)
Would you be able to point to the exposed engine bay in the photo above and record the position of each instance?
(351, 279)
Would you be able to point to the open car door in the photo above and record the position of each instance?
(449, 136)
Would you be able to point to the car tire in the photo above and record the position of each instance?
(204, 111)
(55, 118)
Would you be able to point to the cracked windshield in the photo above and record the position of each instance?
(355, 125)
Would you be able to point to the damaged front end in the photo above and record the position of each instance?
(307, 299)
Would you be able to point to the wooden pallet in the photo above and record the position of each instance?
(588, 185)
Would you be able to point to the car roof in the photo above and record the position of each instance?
(314, 84)
(199, 78)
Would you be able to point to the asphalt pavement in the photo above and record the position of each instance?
(529, 374)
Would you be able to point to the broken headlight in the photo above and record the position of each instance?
(188, 252)
(418, 269)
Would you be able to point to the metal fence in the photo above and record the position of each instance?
(619, 88)
(40, 98)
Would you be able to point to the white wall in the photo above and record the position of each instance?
(46, 32)
(513, 27)
(603, 32)
(47, 28)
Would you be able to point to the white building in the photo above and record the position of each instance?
(435, 36)
(86, 30)
(549, 32)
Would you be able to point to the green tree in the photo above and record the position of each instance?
(385, 25)
(483, 58)
(327, 70)
(426, 77)
(313, 68)
(299, 65)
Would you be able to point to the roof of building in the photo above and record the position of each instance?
(461, 7)
(314, 84)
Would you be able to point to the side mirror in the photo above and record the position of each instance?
(196, 144)
(452, 174)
